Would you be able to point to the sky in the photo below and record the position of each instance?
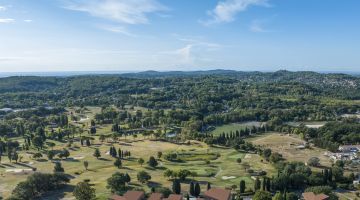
(167, 35)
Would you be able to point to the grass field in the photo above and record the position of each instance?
(286, 145)
(234, 127)
(223, 170)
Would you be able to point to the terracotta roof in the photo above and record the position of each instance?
(312, 196)
(174, 197)
(218, 194)
(156, 196)
(130, 195)
(117, 197)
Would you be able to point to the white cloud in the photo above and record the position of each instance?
(118, 29)
(2, 8)
(195, 51)
(122, 11)
(28, 20)
(225, 11)
(257, 27)
(7, 20)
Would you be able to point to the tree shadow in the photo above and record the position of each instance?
(152, 184)
(8, 165)
(25, 165)
(71, 160)
(104, 159)
(59, 194)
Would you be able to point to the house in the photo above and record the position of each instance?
(156, 196)
(217, 194)
(349, 148)
(312, 196)
(174, 197)
(130, 195)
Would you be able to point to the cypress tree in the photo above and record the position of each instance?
(197, 189)
(192, 189)
(176, 187)
(242, 186)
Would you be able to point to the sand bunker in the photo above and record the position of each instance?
(247, 156)
(227, 177)
(314, 126)
(18, 170)
(79, 157)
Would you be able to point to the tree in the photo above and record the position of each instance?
(313, 161)
(86, 164)
(238, 160)
(50, 154)
(278, 196)
(118, 163)
(159, 154)
(37, 184)
(192, 188)
(183, 173)
(38, 142)
(291, 196)
(37, 155)
(197, 189)
(117, 182)
(257, 184)
(141, 161)
(127, 178)
(65, 153)
(97, 153)
(102, 138)
(58, 168)
(176, 186)
(262, 195)
(267, 153)
(83, 191)
(168, 173)
(338, 173)
(143, 177)
(242, 186)
(152, 162)
(15, 156)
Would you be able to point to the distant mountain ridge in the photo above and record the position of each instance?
(38, 83)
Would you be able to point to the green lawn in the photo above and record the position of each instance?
(234, 127)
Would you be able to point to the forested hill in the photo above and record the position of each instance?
(169, 89)
(306, 77)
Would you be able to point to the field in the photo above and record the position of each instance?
(223, 169)
(234, 127)
(286, 145)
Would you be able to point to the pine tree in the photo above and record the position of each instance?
(118, 163)
(58, 167)
(97, 153)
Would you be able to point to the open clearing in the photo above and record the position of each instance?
(286, 145)
(234, 127)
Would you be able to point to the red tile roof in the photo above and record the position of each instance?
(312, 196)
(130, 195)
(218, 194)
(156, 196)
(174, 197)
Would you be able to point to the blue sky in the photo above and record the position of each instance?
(137, 35)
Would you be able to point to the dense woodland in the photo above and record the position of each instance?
(192, 100)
